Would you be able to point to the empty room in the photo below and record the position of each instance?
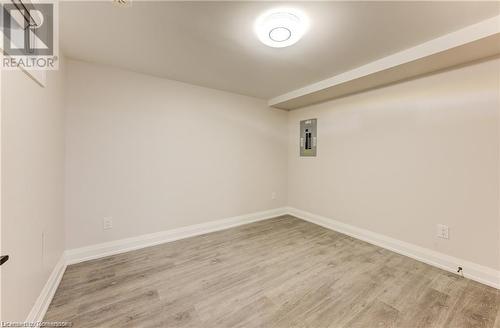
(250, 164)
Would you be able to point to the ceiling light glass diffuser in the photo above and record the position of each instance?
(281, 27)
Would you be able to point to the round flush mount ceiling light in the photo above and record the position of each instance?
(281, 27)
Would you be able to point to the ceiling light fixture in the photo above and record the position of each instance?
(281, 27)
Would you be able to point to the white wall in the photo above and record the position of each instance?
(156, 154)
(32, 145)
(396, 160)
(401, 159)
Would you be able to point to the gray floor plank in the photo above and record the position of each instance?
(281, 272)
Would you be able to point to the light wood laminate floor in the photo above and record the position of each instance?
(282, 272)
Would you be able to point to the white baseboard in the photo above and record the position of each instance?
(42, 303)
(124, 245)
(73, 256)
(474, 271)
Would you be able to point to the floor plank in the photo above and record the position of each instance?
(281, 272)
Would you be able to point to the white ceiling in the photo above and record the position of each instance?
(212, 44)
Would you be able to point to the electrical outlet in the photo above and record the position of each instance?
(273, 195)
(443, 231)
(107, 223)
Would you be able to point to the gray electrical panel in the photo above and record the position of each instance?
(308, 137)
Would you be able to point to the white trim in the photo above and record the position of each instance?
(471, 270)
(42, 303)
(124, 245)
(73, 256)
(466, 35)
